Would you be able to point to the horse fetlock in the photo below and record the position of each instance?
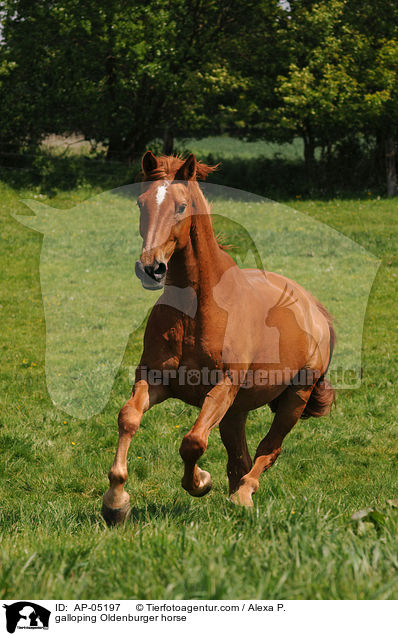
(266, 458)
(117, 476)
(192, 447)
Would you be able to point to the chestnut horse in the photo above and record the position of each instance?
(261, 338)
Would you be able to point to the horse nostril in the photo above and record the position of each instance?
(156, 271)
(160, 270)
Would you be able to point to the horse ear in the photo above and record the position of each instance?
(188, 169)
(149, 163)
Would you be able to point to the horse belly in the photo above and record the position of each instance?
(249, 399)
(191, 384)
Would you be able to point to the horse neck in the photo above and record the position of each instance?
(202, 262)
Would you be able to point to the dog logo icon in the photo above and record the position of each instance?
(26, 615)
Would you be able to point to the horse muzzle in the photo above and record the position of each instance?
(151, 276)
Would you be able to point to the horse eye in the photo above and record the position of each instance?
(181, 209)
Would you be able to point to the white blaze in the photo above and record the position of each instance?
(161, 193)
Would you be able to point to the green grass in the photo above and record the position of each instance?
(231, 148)
(297, 543)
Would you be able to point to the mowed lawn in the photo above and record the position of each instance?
(298, 542)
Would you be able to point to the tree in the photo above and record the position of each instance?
(313, 94)
(330, 75)
(119, 72)
(376, 72)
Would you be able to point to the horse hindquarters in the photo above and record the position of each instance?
(319, 403)
(322, 395)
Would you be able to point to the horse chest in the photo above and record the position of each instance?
(192, 350)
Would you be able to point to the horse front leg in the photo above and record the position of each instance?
(115, 503)
(217, 402)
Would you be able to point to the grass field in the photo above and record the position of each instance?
(230, 148)
(299, 541)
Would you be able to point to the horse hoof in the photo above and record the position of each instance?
(204, 487)
(202, 493)
(243, 495)
(242, 498)
(115, 516)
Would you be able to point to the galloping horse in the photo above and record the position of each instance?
(261, 338)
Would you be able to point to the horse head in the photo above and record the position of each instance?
(166, 206)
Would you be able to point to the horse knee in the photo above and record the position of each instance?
(129, 419)
(192, 447)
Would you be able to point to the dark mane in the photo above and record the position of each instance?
(169, 166)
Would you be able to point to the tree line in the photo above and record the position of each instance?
(123, 72)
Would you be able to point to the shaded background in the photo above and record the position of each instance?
(317, 78)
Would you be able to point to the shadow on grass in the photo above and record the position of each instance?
(153, 511)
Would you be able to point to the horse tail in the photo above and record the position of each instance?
(322, 395)
(321, 400)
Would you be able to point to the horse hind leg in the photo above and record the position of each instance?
(291, 405)
(233, 435)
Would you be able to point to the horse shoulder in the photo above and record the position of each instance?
(163, 338)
